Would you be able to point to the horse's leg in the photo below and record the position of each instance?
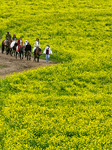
(2, 48)
(6, 50)
(10, 50)
(27, 55)
(16, 55)
(38, 59)
(34, 57)
(20, 55)
(14, 50)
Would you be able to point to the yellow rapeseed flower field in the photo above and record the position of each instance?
(69, 105)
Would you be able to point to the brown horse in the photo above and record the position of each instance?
(37, 54)
(6, 46)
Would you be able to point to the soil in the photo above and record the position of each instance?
(9, 64)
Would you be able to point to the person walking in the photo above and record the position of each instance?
(47, 51)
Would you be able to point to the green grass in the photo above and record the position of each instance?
(69, 105)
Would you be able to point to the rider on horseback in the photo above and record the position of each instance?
(37, 44)
(6, 43)
(14, 40)
(20, 43)
(14, 37)
(27, 48)
(26, 42)
(8, 36)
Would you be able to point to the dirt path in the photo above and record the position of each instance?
(9, 64)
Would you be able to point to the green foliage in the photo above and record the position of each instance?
(69, 105)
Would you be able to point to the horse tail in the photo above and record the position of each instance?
(2, 47)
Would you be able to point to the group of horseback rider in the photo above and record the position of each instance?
(20, 42)
(27, 45)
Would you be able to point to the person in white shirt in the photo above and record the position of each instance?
(26, 42)
(36, 44)
(47, 51)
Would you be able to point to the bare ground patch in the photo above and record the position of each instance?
(9, 64)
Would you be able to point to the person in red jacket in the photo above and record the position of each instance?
(20, 43)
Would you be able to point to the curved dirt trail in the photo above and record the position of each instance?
(9, 64)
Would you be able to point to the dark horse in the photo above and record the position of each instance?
(37, 54)
(6, 46)
(28, 55)
(21, 52)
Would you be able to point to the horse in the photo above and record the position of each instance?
(28, 51)
(6, 45)
(21, 52)
(13, 46)
(37, 53)
(28, 55)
